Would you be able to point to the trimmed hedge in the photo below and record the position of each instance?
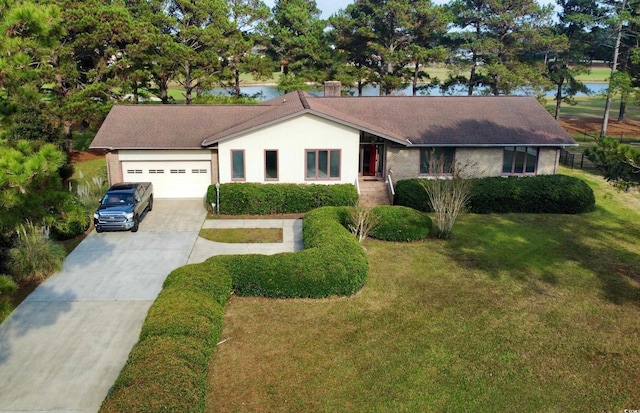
(555, 194)
(263, 199)
(400, 224)
(167, 369)
(332, 263)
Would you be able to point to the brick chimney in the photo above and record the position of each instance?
(333, 88)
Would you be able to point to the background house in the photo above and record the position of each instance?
(298, 138)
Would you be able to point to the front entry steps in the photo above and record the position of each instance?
(373, 191)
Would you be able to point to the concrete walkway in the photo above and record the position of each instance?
(291, 238)
(64, 346)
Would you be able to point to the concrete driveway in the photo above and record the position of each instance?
(64, 346)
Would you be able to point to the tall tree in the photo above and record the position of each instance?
(387, 36)
(568, 60)
(199, 30)
(244, 44)
(429, 28)
(298, 39)
(505, 39)
(353, 57)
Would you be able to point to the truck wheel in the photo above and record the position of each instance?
(135, 225)
(98, 230)
(150, 203)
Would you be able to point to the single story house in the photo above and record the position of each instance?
(299, 138)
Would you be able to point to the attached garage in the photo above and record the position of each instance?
(174, 174)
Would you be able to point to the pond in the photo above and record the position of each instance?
(266, 92)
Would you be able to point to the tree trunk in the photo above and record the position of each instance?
(616, 50)
(623, 106)
(187, 83)
(558, 101)
(360, 87)
(163, 85)
(472, 77)
(416, 72)
(237, 83)
(135, 92)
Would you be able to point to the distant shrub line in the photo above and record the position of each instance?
(167, 370)
(555, 194)
(263, 199)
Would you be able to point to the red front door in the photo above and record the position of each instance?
(372, 160)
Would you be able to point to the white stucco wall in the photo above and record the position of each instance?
(291, 138)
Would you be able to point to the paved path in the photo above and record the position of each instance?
(64, 346)
(291, 238)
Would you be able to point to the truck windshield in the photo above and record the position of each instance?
(117, 199)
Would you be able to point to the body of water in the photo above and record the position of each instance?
(266, 92)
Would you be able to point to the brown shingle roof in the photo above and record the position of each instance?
(438, 121)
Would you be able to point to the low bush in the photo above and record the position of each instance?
(411, 193)
(399, 223)
(74, 220)
(557, 194)
(167, 370)
(34, 256)
(262, 199)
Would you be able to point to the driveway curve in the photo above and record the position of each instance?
(64, 346)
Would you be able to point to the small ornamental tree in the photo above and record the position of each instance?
(448, 192)
(363, 220)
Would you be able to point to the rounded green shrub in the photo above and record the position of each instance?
(550, 194)
(73, 220)
(411, 193)
(399, 223)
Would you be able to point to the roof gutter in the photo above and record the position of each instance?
(490, 145)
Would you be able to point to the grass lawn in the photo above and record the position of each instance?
(517, 311)
(242, 235)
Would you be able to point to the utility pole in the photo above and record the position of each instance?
(614, 66)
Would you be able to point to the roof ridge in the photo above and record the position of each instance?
(303, 99)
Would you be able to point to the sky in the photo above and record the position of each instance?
(329, 7)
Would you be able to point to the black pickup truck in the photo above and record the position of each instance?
(123, 206)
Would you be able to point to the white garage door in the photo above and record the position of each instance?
(171, 179)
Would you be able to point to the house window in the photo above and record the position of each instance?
(237, 165)
(519, 160)
(437, 161)
(322, 164)
(271, 165)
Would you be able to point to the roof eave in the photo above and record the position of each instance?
(493, 145)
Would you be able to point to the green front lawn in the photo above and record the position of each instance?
(242, 235)
(518, 311)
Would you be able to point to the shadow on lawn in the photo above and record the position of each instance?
(551, 249)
